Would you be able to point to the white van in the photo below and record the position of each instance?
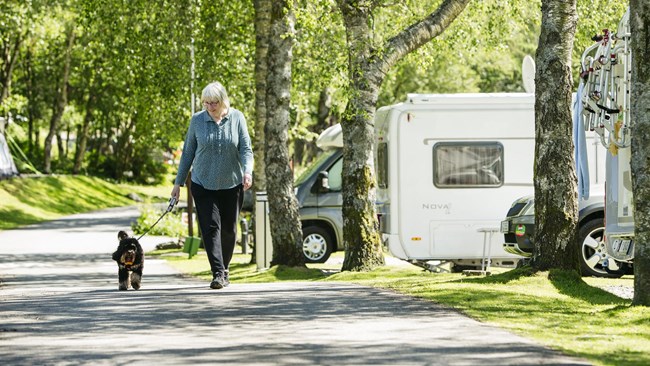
(448, 167)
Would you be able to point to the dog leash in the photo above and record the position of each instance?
(172, 203)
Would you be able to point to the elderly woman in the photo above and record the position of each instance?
(218, 148)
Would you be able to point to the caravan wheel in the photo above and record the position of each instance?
(316, 244)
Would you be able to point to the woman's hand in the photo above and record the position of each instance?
(248, 181)
(176, 192)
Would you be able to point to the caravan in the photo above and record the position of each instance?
(448, 168)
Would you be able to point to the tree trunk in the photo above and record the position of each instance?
(286, 232)
(31, 107)
(367, 67)
(59, 104)
(640, 161)
(60, 144)
(9, 57)
(556, 202)
(262, 31)
(360, 235)
(82, 136)
(125, 149)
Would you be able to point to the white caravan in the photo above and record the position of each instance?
(448, 169)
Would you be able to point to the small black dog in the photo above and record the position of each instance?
(130, 261)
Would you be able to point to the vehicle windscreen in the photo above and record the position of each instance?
(313, 167)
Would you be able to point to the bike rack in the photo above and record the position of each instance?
(605, 86)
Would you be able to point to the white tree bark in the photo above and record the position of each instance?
(262, 31)
(286, 231)
(640, 163)
(556, 202)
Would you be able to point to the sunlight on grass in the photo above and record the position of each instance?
(576, 318)
(36, 199)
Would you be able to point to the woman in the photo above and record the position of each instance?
(218, 148)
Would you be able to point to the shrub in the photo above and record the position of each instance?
(170, 225)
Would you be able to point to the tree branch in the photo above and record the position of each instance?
(418, 34)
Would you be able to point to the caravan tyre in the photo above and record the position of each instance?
(316, 244)
(591, 245)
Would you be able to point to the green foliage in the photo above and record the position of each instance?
(131, 65)
(225, 50)
(481, 51)
(170, 225)
(593, 17)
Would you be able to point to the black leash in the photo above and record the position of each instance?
(172, 203)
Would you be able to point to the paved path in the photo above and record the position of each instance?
(59, 304)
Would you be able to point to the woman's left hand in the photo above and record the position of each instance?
(248, 181)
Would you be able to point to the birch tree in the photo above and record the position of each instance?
(286, 232)
(262, 25)
(367, 67)
(556, 202)
(640, 162)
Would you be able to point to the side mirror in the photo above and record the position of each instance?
(322, 184)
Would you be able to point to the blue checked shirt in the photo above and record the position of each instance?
(219, 154)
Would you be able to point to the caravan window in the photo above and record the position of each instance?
(467, 164)
(382, 165)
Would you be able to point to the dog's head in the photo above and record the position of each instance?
(128, 251)
(129, 254)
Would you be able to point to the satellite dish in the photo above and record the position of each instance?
(528, 74)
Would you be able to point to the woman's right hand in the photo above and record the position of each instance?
(176, 192)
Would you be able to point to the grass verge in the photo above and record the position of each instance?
(30, 200)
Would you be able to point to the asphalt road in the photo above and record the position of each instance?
(59, 304)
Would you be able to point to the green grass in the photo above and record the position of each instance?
(35, 199)
(555, 309)
(559, 310)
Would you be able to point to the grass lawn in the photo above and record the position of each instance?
(35, 199)
(573, 315)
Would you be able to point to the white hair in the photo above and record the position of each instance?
(215, 92)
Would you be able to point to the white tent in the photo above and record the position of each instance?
(7, 166)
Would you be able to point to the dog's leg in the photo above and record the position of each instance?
(123, 277)
(136, 277)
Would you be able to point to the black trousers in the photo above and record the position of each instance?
(218, 213)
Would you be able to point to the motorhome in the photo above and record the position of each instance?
(605, 96)
(448, 168)
(318, 191)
